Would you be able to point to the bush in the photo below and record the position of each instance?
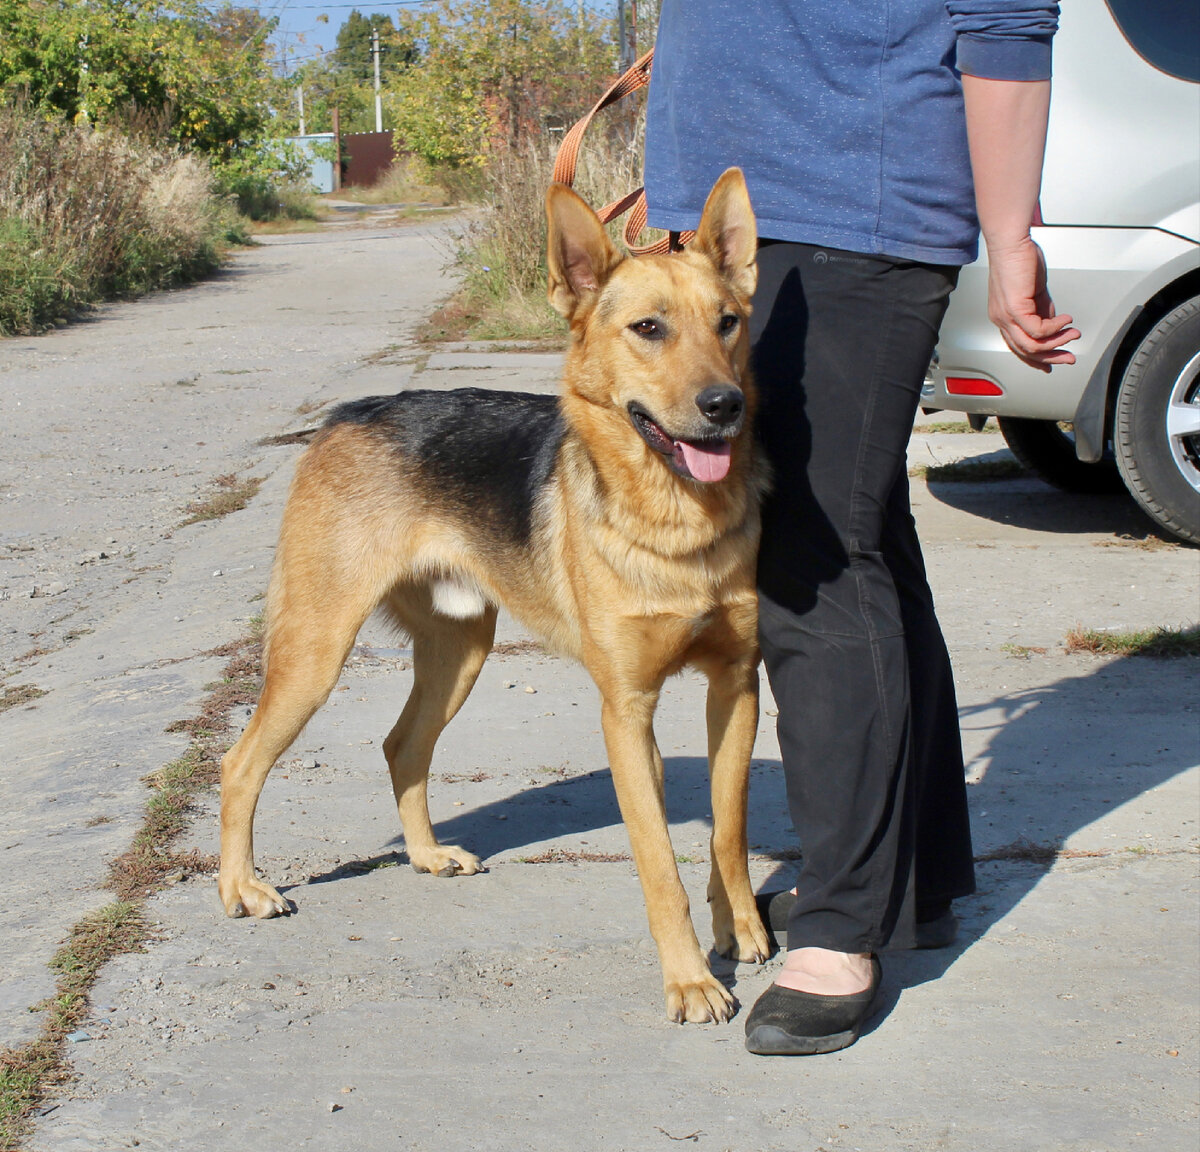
(268, 180)
(87, 215)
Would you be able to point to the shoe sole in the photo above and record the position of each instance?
(767, 1040)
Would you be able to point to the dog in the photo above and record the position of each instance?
(619, 522)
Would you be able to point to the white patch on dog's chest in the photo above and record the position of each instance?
(458, 598)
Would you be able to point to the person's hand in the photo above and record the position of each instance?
(1020, 306)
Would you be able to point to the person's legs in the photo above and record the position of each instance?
(842, 342)
(943, 863)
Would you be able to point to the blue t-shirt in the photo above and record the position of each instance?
(846, 117)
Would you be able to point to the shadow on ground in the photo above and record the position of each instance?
(1056, 759)
(1032, 504)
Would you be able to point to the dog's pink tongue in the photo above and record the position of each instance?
(707, 462)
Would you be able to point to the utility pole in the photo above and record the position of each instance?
(627, 33)
(378, 101)
(337, 147)
(83, 78)
(300, 97)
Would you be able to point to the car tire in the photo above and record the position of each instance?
(1048, 450)
(1156, 424)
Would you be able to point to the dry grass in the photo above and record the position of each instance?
(565, 856)
(1150, 542)
(969, 471)
(1023, 651)
(285, 226)
(30, 1073)
(229, 494)
(87, 215)
(284, 438)
(519, 648)
(503, 252)
(17, 694)
(1163, 642)
(1028, 851)
(947, 426)
(407, 181)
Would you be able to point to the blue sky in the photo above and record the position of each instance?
(301, 31)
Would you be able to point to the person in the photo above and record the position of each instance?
(877, 139)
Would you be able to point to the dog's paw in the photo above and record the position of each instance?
(705, 1001)
(445, 860)
(744, 940)
(252, 898)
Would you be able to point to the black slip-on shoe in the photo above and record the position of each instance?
(785, 1022)
(774, 908)
(937, 931)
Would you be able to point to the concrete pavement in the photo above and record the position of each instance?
(521, 1009)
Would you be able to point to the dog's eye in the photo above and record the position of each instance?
(727, 323)
(648, 329)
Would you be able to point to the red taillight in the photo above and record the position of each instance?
(971, 386)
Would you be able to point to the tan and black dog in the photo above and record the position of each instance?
(619, 522)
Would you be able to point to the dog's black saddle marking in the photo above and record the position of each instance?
(488, 452)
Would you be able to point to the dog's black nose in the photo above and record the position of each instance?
(722, 404)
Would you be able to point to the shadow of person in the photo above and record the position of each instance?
(1035, 505)
(1066, 770)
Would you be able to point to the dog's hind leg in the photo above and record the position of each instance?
(447, 656)
(307, 646)
(732, 713)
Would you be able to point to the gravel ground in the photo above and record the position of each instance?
(521, 1009)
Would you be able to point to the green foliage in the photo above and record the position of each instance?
(259, 176)
(205, 72)
(352, 57)
(489, 73)
(326, 86)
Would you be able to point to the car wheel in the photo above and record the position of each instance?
(1048, 449)
(1156, 425)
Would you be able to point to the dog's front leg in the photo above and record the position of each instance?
(692, 992)
(732, 722)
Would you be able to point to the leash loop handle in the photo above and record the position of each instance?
(635, 79)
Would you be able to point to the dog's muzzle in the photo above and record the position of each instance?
(706, 458)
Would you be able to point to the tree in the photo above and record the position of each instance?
(326, 86)
(489, 72)
(205, 73)
(352, 56)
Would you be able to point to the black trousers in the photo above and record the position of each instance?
(868, 722)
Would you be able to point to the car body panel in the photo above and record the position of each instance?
(1123, 144)
(1105, 275)
(1121, 212)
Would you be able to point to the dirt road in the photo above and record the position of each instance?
(521, 1009)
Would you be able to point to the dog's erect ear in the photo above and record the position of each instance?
(727, 234)
(579, 254)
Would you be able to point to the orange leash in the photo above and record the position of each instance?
(634, 203)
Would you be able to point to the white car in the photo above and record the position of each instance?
(1120, 227)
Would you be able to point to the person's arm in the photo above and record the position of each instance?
(1006, 132)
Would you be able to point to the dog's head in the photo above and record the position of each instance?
(661, 341)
